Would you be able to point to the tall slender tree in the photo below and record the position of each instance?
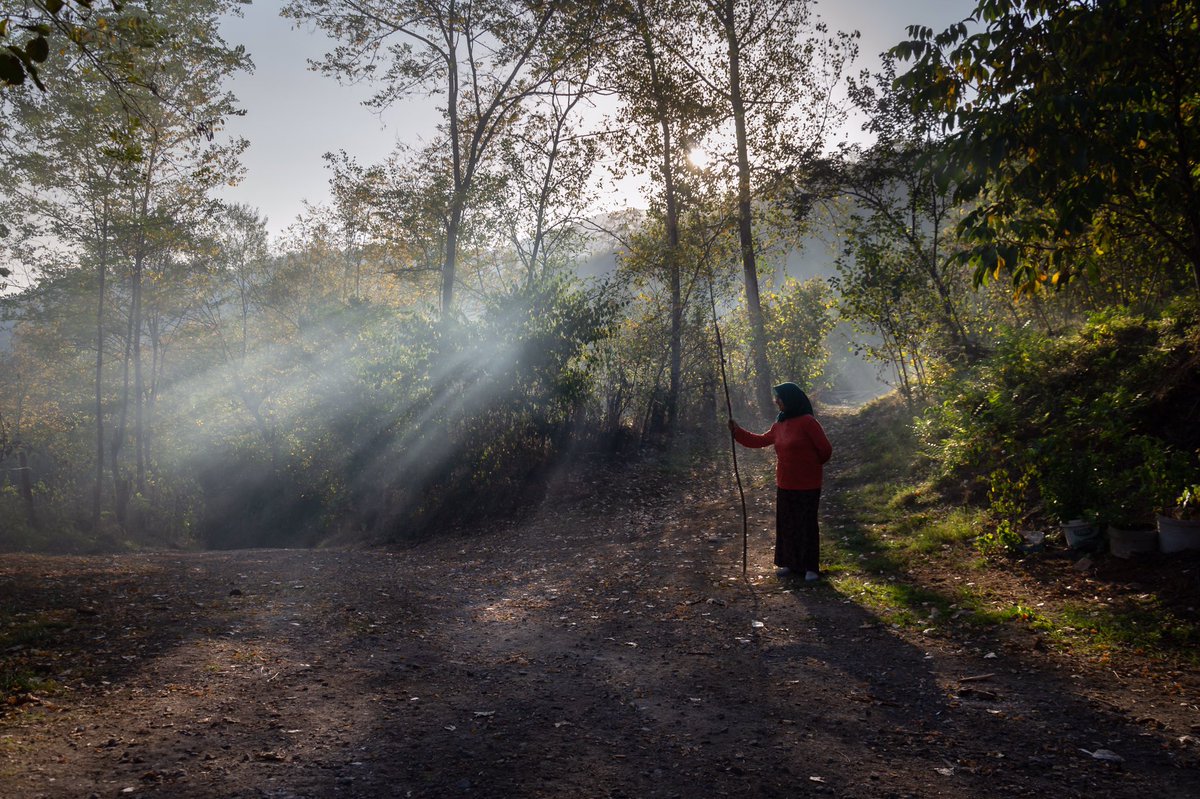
(772, 67)
(115, 180)
(547, 171)
(663, 115)
(484, 58)
(902, 204)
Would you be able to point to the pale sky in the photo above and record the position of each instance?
(294, 115)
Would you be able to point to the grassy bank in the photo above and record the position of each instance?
(921, 552)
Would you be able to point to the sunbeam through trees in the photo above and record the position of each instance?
(450, 448)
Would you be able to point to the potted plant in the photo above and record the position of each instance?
(1080, 533)
(1069, 498)
(1129, 512)
(1180, 528)
(1126, 539)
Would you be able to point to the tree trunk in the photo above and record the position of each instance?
(676, 318)
(155, 330)
(671, 256)
(672, 263)
(955, 327)
(26, 483)
(139, 431)
(758, 333)
(121, 483)
(101, 269)
(139, 384)
(450, 264)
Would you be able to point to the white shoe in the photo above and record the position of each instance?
(811, 576)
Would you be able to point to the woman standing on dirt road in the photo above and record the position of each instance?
(801, 449)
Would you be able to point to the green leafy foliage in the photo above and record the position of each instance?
(382, 424)
(1187, 505)
(1087, 425)
(798, 317)
(1004, 540)
(98, 31)
(1071, 127)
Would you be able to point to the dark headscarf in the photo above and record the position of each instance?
(795, 401)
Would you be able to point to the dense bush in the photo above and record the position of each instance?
(354, 419)
(409, 423)
(1100, 424)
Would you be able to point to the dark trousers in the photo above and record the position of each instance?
(797, 535)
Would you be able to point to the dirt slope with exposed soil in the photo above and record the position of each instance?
(608, 647)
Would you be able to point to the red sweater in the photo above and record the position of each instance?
(800, 449)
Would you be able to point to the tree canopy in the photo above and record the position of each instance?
(1070, 126)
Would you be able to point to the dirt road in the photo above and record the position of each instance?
(607, 648)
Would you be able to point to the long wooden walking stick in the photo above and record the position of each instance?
(712, 297)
